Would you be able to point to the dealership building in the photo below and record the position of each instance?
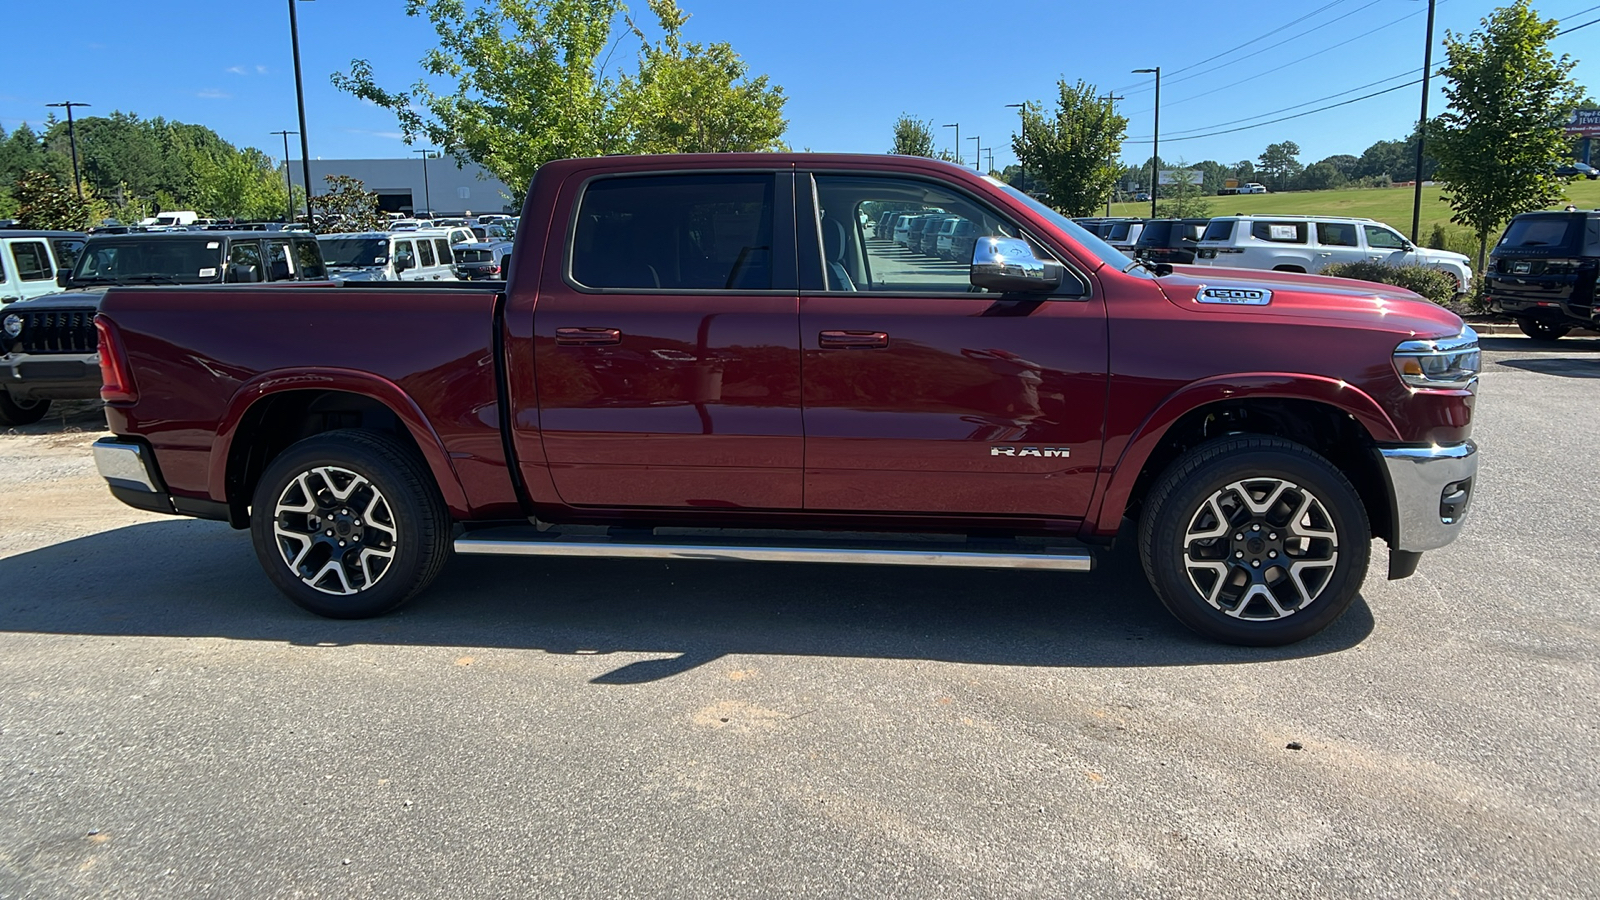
(409, 185)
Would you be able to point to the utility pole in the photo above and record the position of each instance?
(977, 162)
(287, 181)
(300, 100)
(427, 195)
(1111, 98)
(72, 138)
(957, 127)
(1422, 126)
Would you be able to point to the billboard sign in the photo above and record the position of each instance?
(1182, 176)
(1585, 123)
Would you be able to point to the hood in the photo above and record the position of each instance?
(1343, 301)
(1442, 255)
(73, 299)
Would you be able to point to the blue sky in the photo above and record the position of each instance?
(848, 67)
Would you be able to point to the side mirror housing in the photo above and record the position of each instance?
(1008, 266)
(63, 278)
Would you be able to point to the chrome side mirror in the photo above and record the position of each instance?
(1007, 265)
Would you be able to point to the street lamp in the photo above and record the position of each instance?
(1021, 109)
(1155, 144)
(72, 138)
(427, 196)
(977, 151)
(1422, 126)
(287, 181)
(957, 127)
(300, 100)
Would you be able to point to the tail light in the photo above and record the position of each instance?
(116, 376)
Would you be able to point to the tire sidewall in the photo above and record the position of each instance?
(21, 412)
(409, 571)
(1165, 550)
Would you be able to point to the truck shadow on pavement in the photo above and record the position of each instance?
(185, 578)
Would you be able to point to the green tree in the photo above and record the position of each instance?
(529, 87)
(912, 136)
(239, 184)
(1073, 149)
(1184, 196)
(1322, 176)
(45, 201)
(1279, 161)
(347, 206)
(1503, 132)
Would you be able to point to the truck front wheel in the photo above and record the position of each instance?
(21, 412)
(349, 524)
(1255, 540)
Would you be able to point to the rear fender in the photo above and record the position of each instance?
(1254, 385)
(349, 381)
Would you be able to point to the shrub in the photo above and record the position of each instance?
(1430, 283)
(1456, 240)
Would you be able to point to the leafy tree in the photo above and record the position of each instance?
(45, 201)
(530, 87)
(1185, 199)
(690, 98)
(1348, 167)
(912, 136)
(239, 184)
(347, 206)
(1279, 161)
(1503, 133)
(1073, 148)
(1322, 176)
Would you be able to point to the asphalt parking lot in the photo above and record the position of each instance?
(171, 727)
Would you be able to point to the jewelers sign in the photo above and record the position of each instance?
(1585, 122)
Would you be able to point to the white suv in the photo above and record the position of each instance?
(1309, 243)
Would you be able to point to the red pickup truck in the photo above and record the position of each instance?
(717, 357)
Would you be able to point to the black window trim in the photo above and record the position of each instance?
(1062, 257)
(783, 222)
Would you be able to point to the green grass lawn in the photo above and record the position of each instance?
(1391, 206)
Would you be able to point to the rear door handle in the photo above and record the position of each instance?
(582, 337)
(853, 340)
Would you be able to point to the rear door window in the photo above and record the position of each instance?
(706, 232)
(1279, 232)
(425, 252)
(443, 246)
(279, 265)
(32, 260)
(1337, 234)
(309, 256)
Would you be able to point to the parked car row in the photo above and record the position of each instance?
(1283, 243)
(929, 232)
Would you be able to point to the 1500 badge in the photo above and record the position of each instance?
(1030, 451)
(1235, 296)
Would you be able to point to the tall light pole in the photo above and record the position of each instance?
(1422, 126)
(72, 138)
(957, 127)
(300, 100)
(977, 151)
(1022, 120)
(1155, 143)
(427, 195)
(287, 181)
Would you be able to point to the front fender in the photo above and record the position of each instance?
(1254, 385)
(351, 381)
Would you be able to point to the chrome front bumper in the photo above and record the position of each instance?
(1430, 489)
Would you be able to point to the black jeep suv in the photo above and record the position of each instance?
(1543, 272)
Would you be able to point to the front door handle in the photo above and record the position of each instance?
(853, 340)
(583, 337)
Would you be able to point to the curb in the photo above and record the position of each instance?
(1498, 330)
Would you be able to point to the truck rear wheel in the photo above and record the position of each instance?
(349, 524)
(1255, 540)
(1543, 331)
(21, 412)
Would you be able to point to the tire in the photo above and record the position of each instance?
(1542, 331)
(1217, 488)
(390, 531)
(21, 412)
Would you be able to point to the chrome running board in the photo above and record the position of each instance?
(895, 550)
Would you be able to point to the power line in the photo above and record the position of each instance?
(1576, 27)
(1296, 106)
(1137, 86)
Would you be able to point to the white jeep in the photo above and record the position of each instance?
(1311, 243)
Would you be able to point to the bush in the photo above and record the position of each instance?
(1456, 240)
(1430, 283)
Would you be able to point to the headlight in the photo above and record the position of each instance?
(13, 325)
(1441, 363)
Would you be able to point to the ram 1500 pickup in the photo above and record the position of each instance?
(710, 358)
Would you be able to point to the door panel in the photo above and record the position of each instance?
(671, 376)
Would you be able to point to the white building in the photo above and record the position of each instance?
(447, 189)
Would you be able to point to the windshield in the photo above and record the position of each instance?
(1107, 254)
(354, 252)
(167, 260)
